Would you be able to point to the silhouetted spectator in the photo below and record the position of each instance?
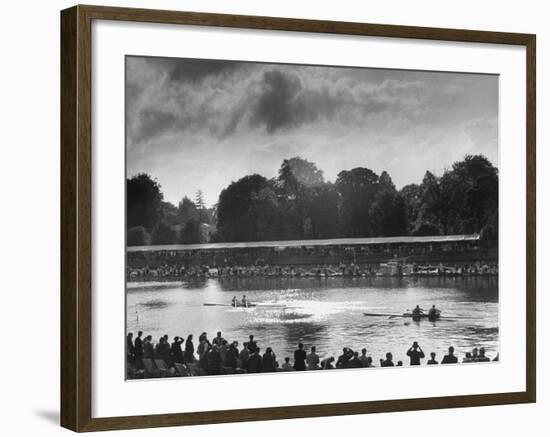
(450, 358)
(432, 359)
(286, 365)
(254, 364)
(312, 359)
(388, 361)
(268, 361)
(130, 347)
(176, 354)
(300, 358)
(138, 350)
(415, 353)
(481, 357)
(189, 354)
(148, 350)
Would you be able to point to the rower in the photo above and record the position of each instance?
(234, 301)
(417, 313)
(433, 314)
(245, 301)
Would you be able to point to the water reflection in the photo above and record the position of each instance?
(327, 313)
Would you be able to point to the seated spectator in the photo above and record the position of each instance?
(312, 360)
(326, 364)
(254, 363)
(450, 357)
(481, 357)
(354, 362)
(363, 358)
(286, 365)
(388, 361)
(432, 359)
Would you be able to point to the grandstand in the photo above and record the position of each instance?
(420, 249)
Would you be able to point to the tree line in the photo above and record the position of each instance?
(299, 203)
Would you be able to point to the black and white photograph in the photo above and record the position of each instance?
(286, 218)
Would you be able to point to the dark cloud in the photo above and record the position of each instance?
(286, 101)
(195, 70)
(276, 107)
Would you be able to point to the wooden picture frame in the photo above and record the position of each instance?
(76, 217)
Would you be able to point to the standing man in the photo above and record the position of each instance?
(138, 350)
(251, 344)
(130, 348)
(148, 350)
(415, 353)
(300, 358)
(218, 340)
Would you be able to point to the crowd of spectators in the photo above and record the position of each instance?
(146, 359)
(178, 271)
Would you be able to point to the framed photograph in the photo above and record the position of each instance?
(269, 218)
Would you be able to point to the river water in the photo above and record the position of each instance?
(327, 313)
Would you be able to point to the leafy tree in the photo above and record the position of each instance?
(358, 188)
(385, 182)
(411, 195)
(463, 200)
(426, 229)
(187, 210)
(143, 201)
(137, 236)
(235, 201)
(296, 173)
(475, 193)
(265, 215)
(190, 233)
(321, 214)
(163, 233)
(169, 213)
(436, 206)
(388, 214)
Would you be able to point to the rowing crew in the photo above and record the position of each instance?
(433, 314)
(243, 303)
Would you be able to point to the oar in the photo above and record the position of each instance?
(382, 315)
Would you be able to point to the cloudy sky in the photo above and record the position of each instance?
(200, 124)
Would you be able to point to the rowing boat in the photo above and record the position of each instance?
(250, 305)
(421, 316)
